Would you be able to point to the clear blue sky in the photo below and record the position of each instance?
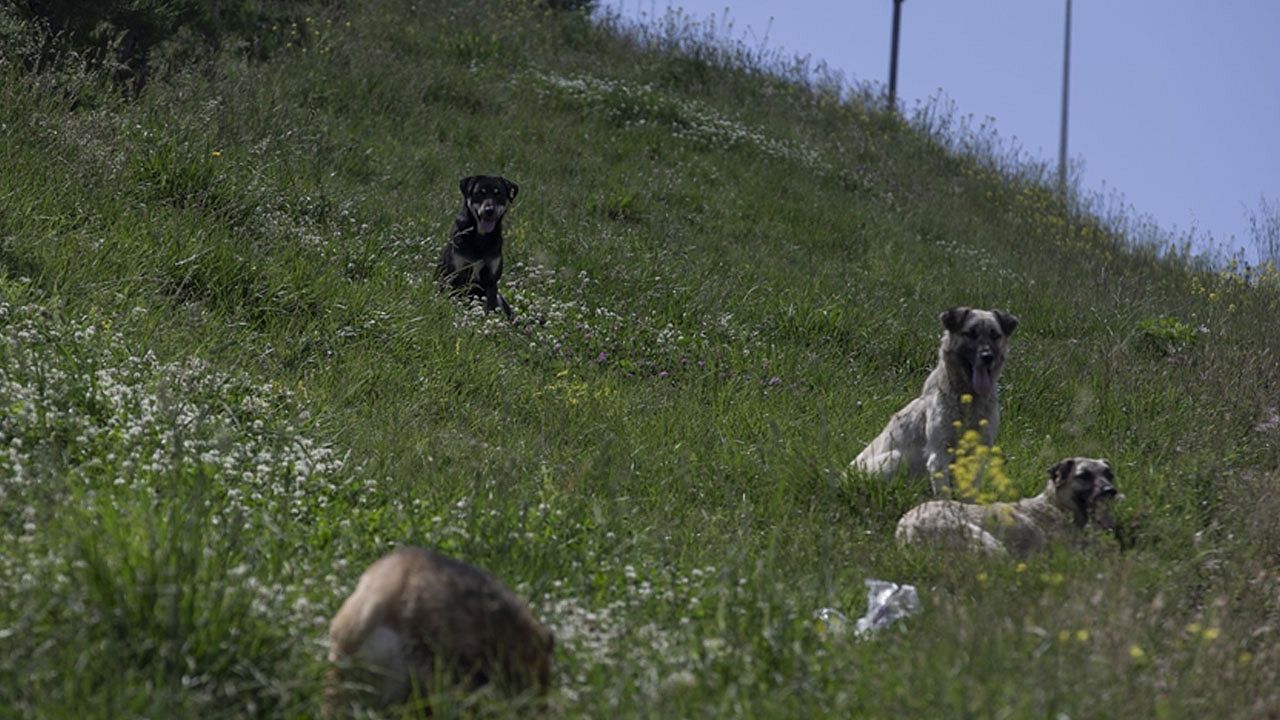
(1174, 103)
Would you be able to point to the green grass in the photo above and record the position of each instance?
(229, 384)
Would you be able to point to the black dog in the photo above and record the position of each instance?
(472, 261)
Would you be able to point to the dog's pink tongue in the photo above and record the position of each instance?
(982, 384)
(486, 226)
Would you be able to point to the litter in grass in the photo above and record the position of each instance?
(887, 602)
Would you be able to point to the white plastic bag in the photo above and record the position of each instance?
(886, 603)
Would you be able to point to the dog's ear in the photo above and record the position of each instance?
(465, 184)
(1008, 323)
(1060, 474)
(512, 188)
(954, 318)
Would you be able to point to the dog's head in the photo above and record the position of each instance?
(1086, 487)
(486, 198)
(977, 341)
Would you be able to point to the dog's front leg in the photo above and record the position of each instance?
(939, 472)
(490, 296)
(991, 427)
(938, 438)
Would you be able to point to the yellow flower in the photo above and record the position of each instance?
(1082, 635)
(1136, 652)
(966, 398)
(1211, 634)
(1245, 658)
(1022, 567)
(983, 422)
(957, 424)
(1064, 636)
(978, 471)
(216, 153)
(983, 577)
(1193, 628)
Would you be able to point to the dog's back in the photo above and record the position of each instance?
(996, 528)
(416, 615)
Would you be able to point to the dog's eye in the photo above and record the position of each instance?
(995, 337)
(1085, 475)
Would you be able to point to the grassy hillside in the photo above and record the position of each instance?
(228, 384)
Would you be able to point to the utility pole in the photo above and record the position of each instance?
(1066, 87)
(893, 56)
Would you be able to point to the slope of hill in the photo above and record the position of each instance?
(229, 384)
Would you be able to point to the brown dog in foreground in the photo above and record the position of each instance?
(1079, 493)
(417, 618)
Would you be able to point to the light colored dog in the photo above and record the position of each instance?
(1079, 493)
(970, 358)
(417, 618)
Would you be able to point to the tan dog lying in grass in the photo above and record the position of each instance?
(1079, 493)
(417, 618)
(970, 359)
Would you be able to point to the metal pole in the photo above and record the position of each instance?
(893, 56)
(1066, 87)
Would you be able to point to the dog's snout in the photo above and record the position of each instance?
(1104, 490)
(987, 356)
